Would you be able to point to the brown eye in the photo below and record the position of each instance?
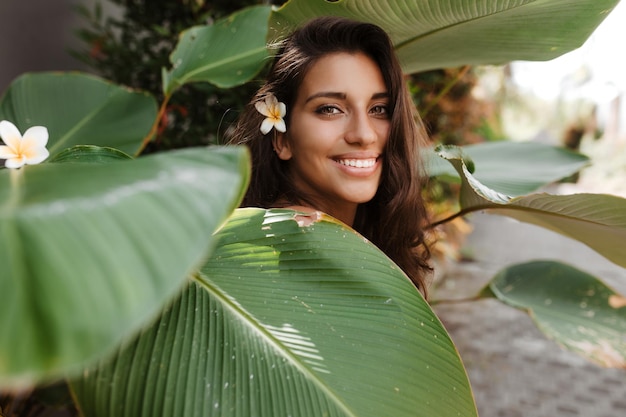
(327, 110)
(380, 110)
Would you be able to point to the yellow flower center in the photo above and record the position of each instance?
(275, 114)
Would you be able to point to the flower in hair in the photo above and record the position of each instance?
(27, 149)
(274, 111)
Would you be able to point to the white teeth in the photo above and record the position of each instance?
(358, 163)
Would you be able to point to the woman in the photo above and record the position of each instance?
(334, 129)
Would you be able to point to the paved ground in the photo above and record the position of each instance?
(514, 370)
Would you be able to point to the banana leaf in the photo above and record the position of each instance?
(513, 168)
(295, 315)
(431, 34)
(597, 220)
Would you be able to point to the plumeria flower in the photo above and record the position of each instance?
(274, 111)
(19, 150)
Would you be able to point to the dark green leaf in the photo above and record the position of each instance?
(79, 109)
(226, 54)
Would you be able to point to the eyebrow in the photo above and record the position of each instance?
(342, 96)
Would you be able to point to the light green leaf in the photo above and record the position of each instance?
(513, 168)
(227, 53)
(292, 315)
(90, 252)
(79, 109)
(573, 308)
(432, 34)
(597, 220)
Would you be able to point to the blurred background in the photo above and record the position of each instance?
(36, 35)
(576, 101)
(580, 98)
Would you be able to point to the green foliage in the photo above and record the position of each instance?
(143, 285)
(145, 34)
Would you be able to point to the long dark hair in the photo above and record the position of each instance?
(394, 219)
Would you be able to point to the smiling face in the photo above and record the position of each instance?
(339, 125)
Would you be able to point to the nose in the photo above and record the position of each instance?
(360, 130)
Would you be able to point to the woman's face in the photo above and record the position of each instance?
(339, 125)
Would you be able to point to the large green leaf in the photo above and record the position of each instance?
(292, 315)
(227, 53)
(571, 307)
(513, 168)
(597, 220)
(90, 252)
(79, 109)
(440, 34)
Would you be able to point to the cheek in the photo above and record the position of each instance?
(383, 131)
(312, 135)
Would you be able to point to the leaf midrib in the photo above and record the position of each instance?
(215, 64)
(81, 123)
(409, 41)
(213, 289)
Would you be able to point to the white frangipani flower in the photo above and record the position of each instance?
(19, 150)
(274, 111)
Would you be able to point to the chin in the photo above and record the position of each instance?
(364, 198)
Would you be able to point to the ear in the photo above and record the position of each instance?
(282, 146)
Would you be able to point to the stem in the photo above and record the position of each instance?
(155, 126)
(16, 175)
(456, 300)
(445, 91)
(463, 212)
(16, 184)
(448, 219)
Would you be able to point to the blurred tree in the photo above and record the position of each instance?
(145, 34)
(453, 116)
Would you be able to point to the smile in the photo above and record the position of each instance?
(358, 163)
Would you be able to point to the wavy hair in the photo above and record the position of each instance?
(395, 218)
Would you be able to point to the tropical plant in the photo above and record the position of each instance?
(137, 280)
(145, 32)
